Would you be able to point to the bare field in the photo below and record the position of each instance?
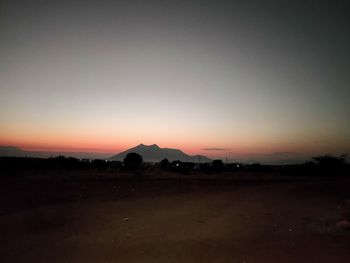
(178, 220)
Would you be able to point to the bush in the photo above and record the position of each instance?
(133, 161)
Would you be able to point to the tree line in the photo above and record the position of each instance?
(133, 162)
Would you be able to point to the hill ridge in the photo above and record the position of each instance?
(154, 153)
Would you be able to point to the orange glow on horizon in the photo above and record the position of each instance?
(106, 145)
(112, 141)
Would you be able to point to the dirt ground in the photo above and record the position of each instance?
(177, 220)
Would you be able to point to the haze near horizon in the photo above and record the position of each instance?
(218, 78)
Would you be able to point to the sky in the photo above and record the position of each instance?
(219, 78)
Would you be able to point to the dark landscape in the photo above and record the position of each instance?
(64, 212)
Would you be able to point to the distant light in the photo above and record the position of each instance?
(177, 164)
(106, 161)
(237, 165)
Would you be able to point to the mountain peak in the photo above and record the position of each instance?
(11, 151)
(148, 146)
(153, 153)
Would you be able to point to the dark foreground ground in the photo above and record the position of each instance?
(103, 219)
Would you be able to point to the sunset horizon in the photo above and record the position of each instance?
(107, 76)
(175, 131)
(225, 154)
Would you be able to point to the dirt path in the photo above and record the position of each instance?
(275, 222)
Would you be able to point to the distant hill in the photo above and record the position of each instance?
(153, 153)
(12, 151)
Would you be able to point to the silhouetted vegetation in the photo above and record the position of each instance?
(331, 164)
(330, 161)
(325, 165)
(234, 167)
(99, 165)
(218, 165)
(133, 161)
(17, 164)
(164, 164)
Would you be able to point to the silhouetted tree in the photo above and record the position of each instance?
(330, 160)
(189, 165)
(133, 161)
(205, 167)
(115, 165)
(256, 167)
(234, 167)
(164, 164)
(331, 165)
(176, 166)
(100, 165)
(61, 162)
(218, 165)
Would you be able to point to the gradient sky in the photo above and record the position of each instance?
(210, 77)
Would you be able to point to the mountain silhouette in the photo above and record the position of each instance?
(12, 151)
(153, 153)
